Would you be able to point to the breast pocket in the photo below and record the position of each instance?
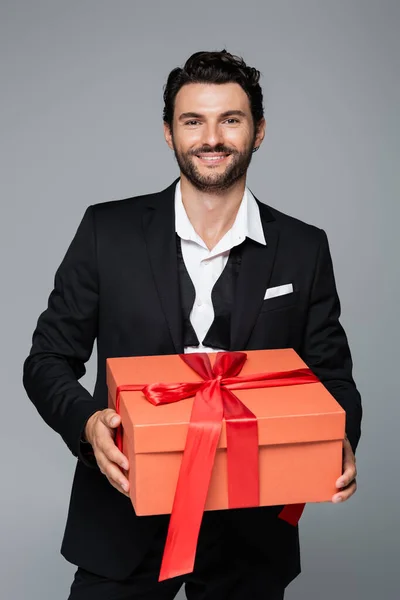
(278, 302)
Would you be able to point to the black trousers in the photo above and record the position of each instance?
(224, 570)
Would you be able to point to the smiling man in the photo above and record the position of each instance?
(199, 267)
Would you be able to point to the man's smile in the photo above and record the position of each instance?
(212, 158)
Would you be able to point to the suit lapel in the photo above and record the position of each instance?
(160, 237)
(254, 275)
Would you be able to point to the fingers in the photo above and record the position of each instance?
(345, 494)
(349, 466)
(349, 459)
(109, 458)
(106, 445)
(113, 474)
(346, 483)
(110, 418)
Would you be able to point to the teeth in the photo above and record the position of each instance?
(212, 157)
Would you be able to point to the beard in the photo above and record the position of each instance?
(215, 182)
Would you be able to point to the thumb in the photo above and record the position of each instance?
(111, 418)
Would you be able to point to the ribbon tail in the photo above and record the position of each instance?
(291, 513)
(191, 490)
(118, 431)
(118, 438)
(242, 453)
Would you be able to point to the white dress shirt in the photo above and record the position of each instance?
(205, 266)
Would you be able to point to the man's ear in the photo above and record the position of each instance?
(260, 133)
(168, 135)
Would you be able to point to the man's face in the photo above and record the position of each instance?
(213, 134)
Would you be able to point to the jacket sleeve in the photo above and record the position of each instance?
(63, 341)
(325, 346)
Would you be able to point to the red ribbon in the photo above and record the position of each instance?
(213, 402)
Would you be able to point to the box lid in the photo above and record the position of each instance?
(286, 415)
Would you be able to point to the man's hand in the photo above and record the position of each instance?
(346, 482)
(99, 432)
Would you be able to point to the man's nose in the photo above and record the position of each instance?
(212, 135)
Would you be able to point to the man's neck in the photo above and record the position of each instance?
(212, 215)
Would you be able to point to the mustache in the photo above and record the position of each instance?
(208, 149)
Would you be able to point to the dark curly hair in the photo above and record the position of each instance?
(214, 67)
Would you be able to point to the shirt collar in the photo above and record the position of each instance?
(247, 222)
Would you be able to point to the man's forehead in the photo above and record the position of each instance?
(211, 98)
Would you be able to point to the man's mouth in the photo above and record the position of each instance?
(212, 157)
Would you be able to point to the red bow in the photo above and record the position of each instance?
(214, 402)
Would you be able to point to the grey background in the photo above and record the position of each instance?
(80, 122)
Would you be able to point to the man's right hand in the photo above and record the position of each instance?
(99, 432)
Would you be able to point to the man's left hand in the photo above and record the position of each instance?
(346, 483)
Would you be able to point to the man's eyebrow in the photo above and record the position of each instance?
(224, 115)
(190, 115)
(233, 113)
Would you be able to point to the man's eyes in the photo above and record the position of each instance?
(230, 121)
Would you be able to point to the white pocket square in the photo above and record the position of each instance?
(279, 290)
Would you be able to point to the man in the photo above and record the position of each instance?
(185, 270)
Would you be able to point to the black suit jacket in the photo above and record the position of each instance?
(118, 285)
